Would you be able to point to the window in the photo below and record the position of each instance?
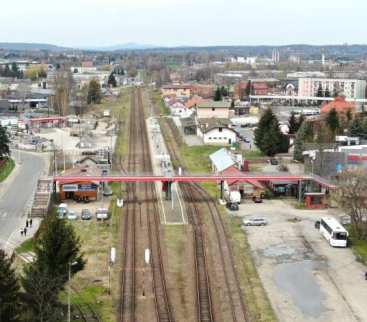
(340, 236)
(327, 228)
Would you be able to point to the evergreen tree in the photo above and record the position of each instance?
(304, 133)
(218, 95)
(293, 123)
(9, 291)
(327, 92)
(56, 247)
(268, 137)
(232, 104)
(7, 72)
(41, 295)
(224, 91)
(248, 90)
(320, 92)
(4, 143)
(301, 119)
(358, 128)
(112, 80)
(94, 92)
(332, 121)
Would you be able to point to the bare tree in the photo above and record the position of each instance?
(63, 84)
(351, 195)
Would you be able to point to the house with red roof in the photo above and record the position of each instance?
(340, 104)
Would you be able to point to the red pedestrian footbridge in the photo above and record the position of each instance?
(243, 177)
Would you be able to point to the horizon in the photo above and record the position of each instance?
(145, 46)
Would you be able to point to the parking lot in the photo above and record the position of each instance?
(305, 278)
(92, 206)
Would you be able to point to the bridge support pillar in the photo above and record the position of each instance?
(300, 191)
(169, 191)
(222, 190)
(54, 191)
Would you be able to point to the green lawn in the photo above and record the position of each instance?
(359, 247)
(25, 247)
(253, 154)
(158, 101)
(197, 157)
(6, 169)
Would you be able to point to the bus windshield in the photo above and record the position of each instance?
(340, 236)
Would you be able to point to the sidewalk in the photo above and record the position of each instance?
(16, 239)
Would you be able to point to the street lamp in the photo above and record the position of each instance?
(69, 288)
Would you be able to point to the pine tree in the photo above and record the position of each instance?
(57, 236)
(4, 143)
(94, 92)
(358, 128)
(332, 121)
(327, 92)
(224, 91)
(320, 92)
(304, 133)
(9, 291)
(293, 123)
(57, 248)
(112, 80)
(218, 95)
(268, 137)
(248, 90)
(41, 295)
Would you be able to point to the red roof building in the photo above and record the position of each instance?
(340, 105)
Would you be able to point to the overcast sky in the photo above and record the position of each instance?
(183, 22)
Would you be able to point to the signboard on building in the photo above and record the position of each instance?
(87, 187)
(70, 187)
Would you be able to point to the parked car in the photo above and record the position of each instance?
(102, 214)
(233, 206)
(62, 210)
(86, 214)
(72, 215)
(255, 222)
(246, 140)
(257, 199)
(107, 191)
(274, 161)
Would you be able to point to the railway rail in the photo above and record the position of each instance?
(194, 194)
(145, 195)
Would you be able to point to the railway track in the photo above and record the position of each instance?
(204, 311)
(194, 194)
(145, 195)
(86, 312)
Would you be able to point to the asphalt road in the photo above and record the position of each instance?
(17, 193)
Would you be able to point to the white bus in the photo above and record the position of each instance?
(333, 232)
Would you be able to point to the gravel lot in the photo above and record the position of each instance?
(305, 278)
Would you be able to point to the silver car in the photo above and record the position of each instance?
(255, 222)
